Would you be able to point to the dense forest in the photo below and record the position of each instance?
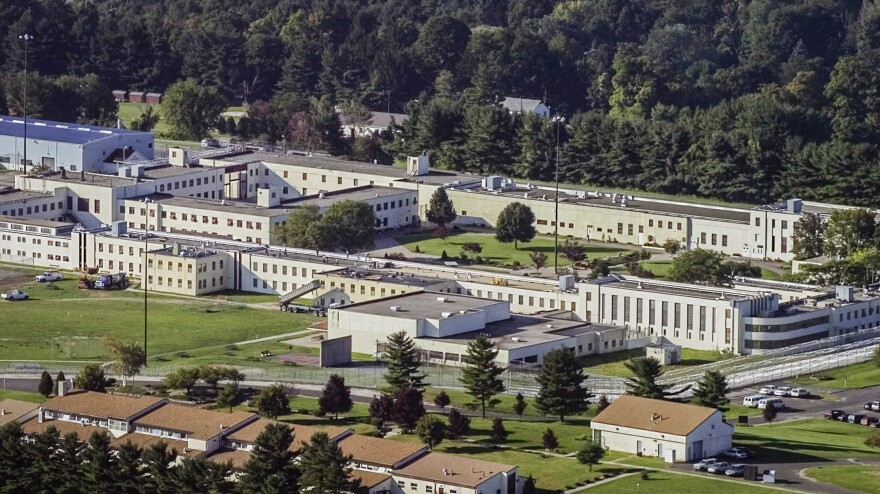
(742, 100)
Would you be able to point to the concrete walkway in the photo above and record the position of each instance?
(600, 482)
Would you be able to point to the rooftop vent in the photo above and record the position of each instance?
(441, 299)
(515, 339)
(395, 308)
(445, 314)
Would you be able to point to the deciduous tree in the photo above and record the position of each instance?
(549, 440)
(229, 397)
(272, 401)
(519, 406)
(459, 424)
(91, 378)
(382, 408)
(349, 225)
(848, 231)
(515, 224)
(590, 454)
(128, 358)
(770, 412)
(539, 259)
(191, 110)
(480, 375)
(561, 380)
(699, 266)
(808, 236)
(498, 434)
(183, 378)
(408, 407)
(431, 430)
(442, 400)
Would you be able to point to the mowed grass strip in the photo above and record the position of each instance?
(496, 251)
(23, 395)
(31, 327)
(851, 376)
(859, 478)
(807, 440)
(671, 483)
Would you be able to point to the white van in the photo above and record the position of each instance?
(752, 401)
(777, 403)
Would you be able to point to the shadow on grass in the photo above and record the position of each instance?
(796, 452)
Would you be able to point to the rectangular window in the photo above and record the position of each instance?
(784, 246)
(690, 317)
(614, 307)
(714, 239)
(625, 309)
(639, 309)
(676, 317)
(757, 221)
(664, 314)
(702, 318)
(629, 229)
(703, 238)
(620, 228)
(724, 240)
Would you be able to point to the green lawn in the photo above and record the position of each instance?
(659, 268)
(852, 376)
(65, 323)
(460, 399)
(130, 111)
(859, 478)
(671, 483)
(807, 440)
(246, 297)
(22, 395)
(496, 251)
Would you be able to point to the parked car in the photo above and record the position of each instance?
(752, 401)
(873, 406)
(834, 414)
(800, 393)
(768, 389)
(778, 403)
(737, 453)
(782, 391)
(735, 470)
(854, 418)
(49, 276)
(869, 421)
(14, 295)
(719, 467)
(705, 463)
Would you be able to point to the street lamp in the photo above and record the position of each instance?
(559, 120)
(26, 38)
(144, 276)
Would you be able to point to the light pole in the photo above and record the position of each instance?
(558, 120)
(26, 38)
(144, 276)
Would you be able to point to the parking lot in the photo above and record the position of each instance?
(850, 400)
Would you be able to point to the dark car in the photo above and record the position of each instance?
(869, 421)
(834, 414)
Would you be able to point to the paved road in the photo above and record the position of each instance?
(850, 400)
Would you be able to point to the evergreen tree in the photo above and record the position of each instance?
(515, 224)
(324, 468)
(712, 391)
(157, 460)
(408, 407)
(442, 400)
(602, 404)
(229, 397)
(561, 380)
(336, 396)
(590, 454)
(440, 211)
(430, 430)
(98, 464)
(770, 412)
(270, 467)
(382, 408)
(46, 386)
(128, 463)
(499, 433)
(67, 466)
(91, 378)
(529, 484)
(519, 406)
(402, 362)
(199, 476)
(549, 440)
(646, 372)
(61, 377)
(480, 374)
(459, 424)
(272, 402)
(13, 453)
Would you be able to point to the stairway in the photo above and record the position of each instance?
(299, 292)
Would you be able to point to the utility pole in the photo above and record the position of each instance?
(144, 277)
(558, 120)
(26, 37)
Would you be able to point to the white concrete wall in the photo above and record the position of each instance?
(366, 329)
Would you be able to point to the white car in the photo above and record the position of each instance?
(49, 276)
(719, 467)
(800, 393)
(15, 295)
(705, 463)
(737, 453)
(782, 391)
(768, 389)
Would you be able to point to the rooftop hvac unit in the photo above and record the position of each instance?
(445, 314)
(515, 339)
(441, 299)
(462, 312)
(395, 308)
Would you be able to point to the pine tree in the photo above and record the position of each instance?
(440, 211)
(408, 408)
(46, 386)
(549, 440)
(712, 391)
(459, 424)
(499, 433)
(480, 374)
(430, 430)
(402, 362)
(98, 465)
(561, 381)
(336, 396)
(12, 451)
(442, 400)
(520, 405)
(602, 404)
(230, 396)
(770, 412)
(324, 468)
(646, 372)
(272, 402)
(61, 377)
(529, 486)
(128, 462)
(157, 460)
(270, 467)
(67, 464)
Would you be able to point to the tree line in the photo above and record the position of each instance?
(742, 101)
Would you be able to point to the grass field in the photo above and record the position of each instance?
(23, 396)
(859, 478)
(494, 250)
(460, 399)
(807, 440)
(659, 268)
(671, 483)
(851, 376)
(130, 111)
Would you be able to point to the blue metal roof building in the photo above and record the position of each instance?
(72, 146)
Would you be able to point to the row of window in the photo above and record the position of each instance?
(782, 328)
(189, 284)
(774, 344)
(50, 206)
(772, 223)
(714, 239)
(192, 183)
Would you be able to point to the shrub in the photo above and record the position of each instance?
(644, 475)
(417, 250)
(444, 256)
(873, 440)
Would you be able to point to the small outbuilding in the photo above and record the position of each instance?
(120, 95)
(137, 97)
(153, 98)
(665, 429)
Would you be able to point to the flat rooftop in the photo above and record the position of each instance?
(18, 195)
(23, 220)
(96, 179)
(421, 305)
(435, 177)
(166, 171)
(362, 193)
(236, 207)
(387, 276)
(670, 288)
(524, 331)
(61, 131)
